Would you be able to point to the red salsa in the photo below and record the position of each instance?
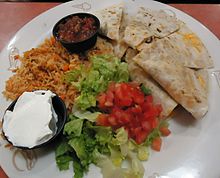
(77, 29)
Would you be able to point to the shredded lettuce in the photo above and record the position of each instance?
(62, 148)
(142, 153)
(63, 158)
(84, 114)
(91, 81)
(63, 162)
(84, 142)
(78, 169)
(103, 134)
(65, 155)
(116, 156)
(121, 136)
(145, 90)
(74, 127)
(87, 143)
(137, 167)
(84, 139)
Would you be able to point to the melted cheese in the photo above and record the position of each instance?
(193, 40)
(202, 81)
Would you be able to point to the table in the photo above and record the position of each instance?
(16, 14)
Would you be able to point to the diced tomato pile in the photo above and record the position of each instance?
(125, 105)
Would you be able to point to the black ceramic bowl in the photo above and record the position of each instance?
(78, 45)
(61, 111)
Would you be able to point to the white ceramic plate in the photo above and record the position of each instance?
(193, 149)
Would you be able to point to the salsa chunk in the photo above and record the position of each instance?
(77, 29)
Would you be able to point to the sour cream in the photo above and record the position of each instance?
(33, 120)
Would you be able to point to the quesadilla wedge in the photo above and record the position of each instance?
(183, 46)
(160, 96)
(190, 48)
(159, 23)
(110, 20)
(120, 46)
(136, 33)
(180, 82)
(203, 77)
(147, 24)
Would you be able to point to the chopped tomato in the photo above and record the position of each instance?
(141, 136)
(156, 144)
(150, 111)
(136, 109)
(125, 102)
(101, 100)
(130, 132)
(149, 99)
(122, 116)
(112, 120)
(103, 120)
(122, 93)
(159, 108)
(138, 96)
(165, 131)
(146, 125)
(146, 106)
(127, 116)
(154, 123)
(109, 98)
(118, 91)
(127, 106)
(111, 86)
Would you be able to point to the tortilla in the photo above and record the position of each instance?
(130, 54)
(189, 48)
(160, 96)
(203, 77)
(160, 23)
(183, 45)
(180, 82)
(120, 46)
(110, 20)
(147, 24)
(136, 33)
